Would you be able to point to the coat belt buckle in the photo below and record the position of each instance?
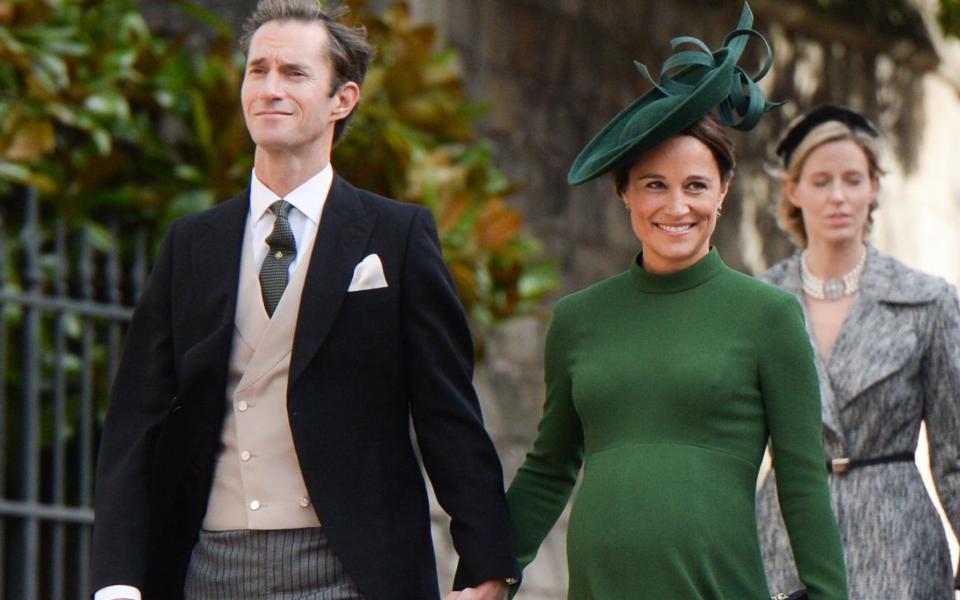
(840, 466)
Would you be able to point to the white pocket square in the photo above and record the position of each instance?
(368, 275)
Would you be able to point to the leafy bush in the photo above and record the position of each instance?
(102, 116)
(950, 17)
(413, 139)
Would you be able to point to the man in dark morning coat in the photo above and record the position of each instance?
(257, 443)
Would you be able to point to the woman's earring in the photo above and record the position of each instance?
(718, 211)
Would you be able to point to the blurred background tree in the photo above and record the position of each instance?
(884, 17)
(414, 139)
(928, 23)
(950, 16)
(102, 116)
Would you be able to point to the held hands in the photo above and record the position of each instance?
(492, 589)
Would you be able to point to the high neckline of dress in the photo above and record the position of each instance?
(696, 274)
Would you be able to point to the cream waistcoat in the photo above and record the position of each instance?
(257, 483)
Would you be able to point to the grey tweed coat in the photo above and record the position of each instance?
(895, 364)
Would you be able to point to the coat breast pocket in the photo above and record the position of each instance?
(367, 327)
(369, 297)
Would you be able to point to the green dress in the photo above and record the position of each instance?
(666, 388)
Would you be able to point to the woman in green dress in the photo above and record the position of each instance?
(665, 382)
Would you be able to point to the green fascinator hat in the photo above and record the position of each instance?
(692, 84)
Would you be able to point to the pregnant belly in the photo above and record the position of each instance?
(671, 510)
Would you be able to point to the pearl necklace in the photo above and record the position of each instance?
(833, 288)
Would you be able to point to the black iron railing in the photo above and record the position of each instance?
(65, 300)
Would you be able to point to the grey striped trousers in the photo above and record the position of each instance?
(281, 564)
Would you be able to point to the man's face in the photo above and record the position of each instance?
(287, 104)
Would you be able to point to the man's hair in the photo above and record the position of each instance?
(348, 50)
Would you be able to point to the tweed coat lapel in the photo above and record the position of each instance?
(789, 279)
(345, 227)
(874, 343)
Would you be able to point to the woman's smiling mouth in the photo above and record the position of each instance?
(675, 229)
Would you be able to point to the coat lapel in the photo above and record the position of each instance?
(791, 282)
(215, 253)
(345, 227)
(873, 343)
(211, 246)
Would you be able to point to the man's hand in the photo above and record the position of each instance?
(492, 589)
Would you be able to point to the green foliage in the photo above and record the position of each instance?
(882, 17)
(950, 17)
(892, 17)
(101, 115)
(413, 139)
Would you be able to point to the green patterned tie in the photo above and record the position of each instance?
(274, 272)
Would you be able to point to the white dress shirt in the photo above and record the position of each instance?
(308, 200)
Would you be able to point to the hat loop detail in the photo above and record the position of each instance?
(768, 63)
(745, 103)
(680, 40)
(752, 105)
(646, 74)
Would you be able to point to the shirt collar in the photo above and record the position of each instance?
(308, 198)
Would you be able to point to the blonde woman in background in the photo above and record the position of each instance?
(888, 353)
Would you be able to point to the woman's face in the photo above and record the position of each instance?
(834, 192)
(673, 193)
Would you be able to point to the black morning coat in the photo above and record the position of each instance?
(364, 365)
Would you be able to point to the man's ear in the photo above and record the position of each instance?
(347, 96)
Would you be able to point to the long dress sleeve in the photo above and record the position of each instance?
(941, 408)
(542, 486)
(789, 385)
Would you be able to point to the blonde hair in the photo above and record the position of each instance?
(789, 216)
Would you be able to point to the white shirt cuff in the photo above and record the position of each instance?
(118, 592)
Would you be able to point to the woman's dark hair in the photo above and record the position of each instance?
(713, 136)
